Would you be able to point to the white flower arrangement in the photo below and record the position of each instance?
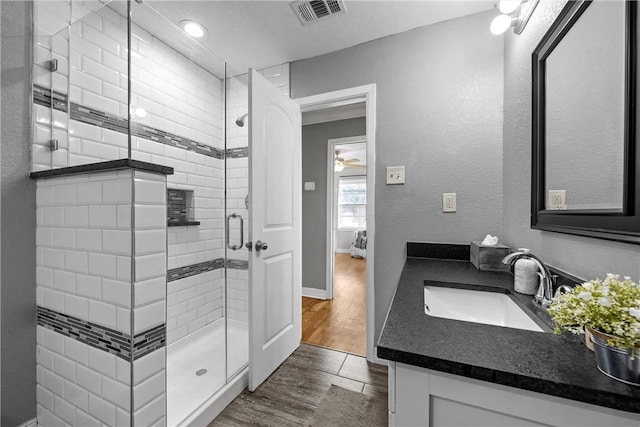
(611, 306)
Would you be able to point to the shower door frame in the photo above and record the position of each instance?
(366, 94)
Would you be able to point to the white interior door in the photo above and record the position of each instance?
(275, 268)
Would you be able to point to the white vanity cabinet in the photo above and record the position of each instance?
(424, 397)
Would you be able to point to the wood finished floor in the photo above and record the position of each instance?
(291, 395)
(339, 323)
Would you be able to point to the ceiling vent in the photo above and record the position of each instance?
(314, 10)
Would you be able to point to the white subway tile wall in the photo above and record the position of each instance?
(83, 255)
(51, 18)
(80, 385)
(194, 302)
(177, 96)
(150, 260)
(84, 265)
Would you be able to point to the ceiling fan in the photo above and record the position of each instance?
(341, 163)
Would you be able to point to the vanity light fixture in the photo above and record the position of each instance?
(514, 13)
(509, 6)
(193, 28)
(501, 23)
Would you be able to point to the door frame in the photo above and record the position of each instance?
(366, 94)
(331, 198)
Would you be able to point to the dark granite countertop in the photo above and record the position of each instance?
(558, 365)
(107, 165)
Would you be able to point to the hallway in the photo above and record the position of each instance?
(302, 391)
(339, 324)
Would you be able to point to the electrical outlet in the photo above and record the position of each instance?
(557, 200)
(448, 202)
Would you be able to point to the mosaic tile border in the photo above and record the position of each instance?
(149, 341)
(202, 267)
(237, 264)
(236, 153)
(92, 116)
(97, 336)
(42, 96)
(98, 118)
(173, 140)
(194, 269)
(101, 337)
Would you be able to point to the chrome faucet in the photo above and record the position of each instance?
(562, 289)
(544, 296)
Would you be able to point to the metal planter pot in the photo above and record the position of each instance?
(615, 362)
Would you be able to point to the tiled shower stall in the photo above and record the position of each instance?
(142, 173)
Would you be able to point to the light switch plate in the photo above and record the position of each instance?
(395, 175)
(310, 186)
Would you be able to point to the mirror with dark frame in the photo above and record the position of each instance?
(584, 154)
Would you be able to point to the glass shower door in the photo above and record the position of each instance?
(177, 114)
(237, 213)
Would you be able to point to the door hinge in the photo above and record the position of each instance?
(51, 64)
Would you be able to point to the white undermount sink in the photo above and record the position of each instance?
(491, 308)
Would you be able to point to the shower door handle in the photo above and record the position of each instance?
(229, 245)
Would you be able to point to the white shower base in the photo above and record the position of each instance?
(203, 349)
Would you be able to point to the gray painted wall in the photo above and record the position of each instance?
(314, 203)
(582, 256)
(17, 289)
(439, 113)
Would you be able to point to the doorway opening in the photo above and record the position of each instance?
(339, 321)
(330, 273)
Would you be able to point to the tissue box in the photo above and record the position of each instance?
(489, 258)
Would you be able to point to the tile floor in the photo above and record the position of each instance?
(290, 396)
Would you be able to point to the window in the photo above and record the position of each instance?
(352, 202)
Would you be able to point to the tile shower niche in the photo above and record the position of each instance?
(180, 208)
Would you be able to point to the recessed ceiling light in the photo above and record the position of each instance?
(193, 28)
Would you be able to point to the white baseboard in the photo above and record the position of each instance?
(31, 423)
(342, 251)
(314, 293)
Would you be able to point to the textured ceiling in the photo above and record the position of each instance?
(260, 34)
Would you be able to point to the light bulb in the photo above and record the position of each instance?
(193, 28)
(500, 24)
(509, 6)
(339, 167)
